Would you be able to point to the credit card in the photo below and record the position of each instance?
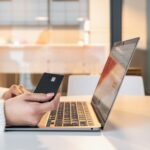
(49, 83)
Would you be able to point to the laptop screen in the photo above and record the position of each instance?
(111, 78)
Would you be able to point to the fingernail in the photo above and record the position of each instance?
(50, 94)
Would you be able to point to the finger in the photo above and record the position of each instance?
(37, 97)
(22, 89)
(49, 106)
(14, 89)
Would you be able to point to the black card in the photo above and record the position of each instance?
(49, 83)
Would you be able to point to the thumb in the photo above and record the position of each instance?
(49, 106)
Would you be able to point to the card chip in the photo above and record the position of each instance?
(53, 79)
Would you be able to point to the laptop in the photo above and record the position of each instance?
(76, 115)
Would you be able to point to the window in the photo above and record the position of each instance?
(43, 12)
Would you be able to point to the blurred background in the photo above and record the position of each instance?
(71, 37)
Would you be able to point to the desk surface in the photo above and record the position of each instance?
(128, 127)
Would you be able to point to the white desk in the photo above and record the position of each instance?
(128, 128)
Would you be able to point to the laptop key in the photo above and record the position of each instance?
(75, 124)
(83, 123)
(48, 123)
(67, 124)
(58, 123)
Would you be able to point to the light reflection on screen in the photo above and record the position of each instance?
(111, 78)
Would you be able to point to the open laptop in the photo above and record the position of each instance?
(91, 116)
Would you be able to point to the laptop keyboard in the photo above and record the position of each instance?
(70, 114)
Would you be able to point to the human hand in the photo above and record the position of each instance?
(26, 109)
(13, 91)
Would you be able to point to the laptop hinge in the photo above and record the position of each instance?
(99, 116)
